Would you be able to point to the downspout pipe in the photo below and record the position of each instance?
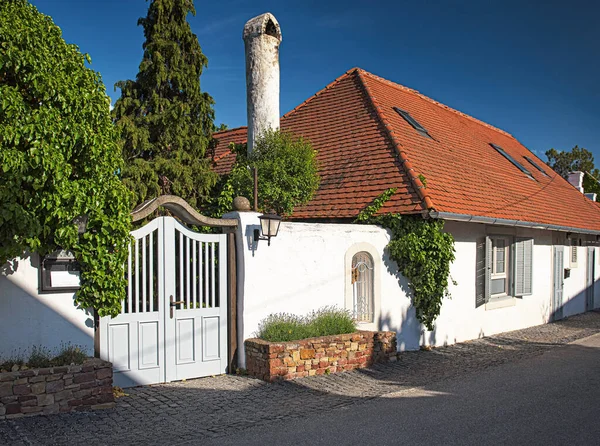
(505, 222)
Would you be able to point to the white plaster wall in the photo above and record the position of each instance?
(303, 270)
(575, 285)
(460, 320)
(28, 318)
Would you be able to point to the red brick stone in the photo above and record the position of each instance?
(55, 386)
(276, 348)
(22, 389)
(27, 400)
(103, 373)
(13, 408)
(87, 385)
(84, 377)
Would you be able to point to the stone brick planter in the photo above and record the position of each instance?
(56, 389)
(271, 361)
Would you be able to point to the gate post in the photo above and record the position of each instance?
(231, 303)
(96, 333)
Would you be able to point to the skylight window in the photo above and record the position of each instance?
(412, 121)
(518, 165)
(534, 164)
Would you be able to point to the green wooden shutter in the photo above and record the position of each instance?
(483, 271)
(523, 266)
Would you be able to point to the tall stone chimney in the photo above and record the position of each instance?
(262, 37)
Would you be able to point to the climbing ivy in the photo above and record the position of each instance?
(59, 157)
(423, 252)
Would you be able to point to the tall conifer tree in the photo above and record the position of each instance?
(166, 121)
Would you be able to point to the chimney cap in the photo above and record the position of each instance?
(263, 24)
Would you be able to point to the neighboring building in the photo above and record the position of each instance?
(507, 210)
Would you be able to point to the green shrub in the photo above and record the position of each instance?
(331, 321)
(287, 173)
(282, 327)
(326, 321)
(69, 354)
(39, 357)
(8, 364)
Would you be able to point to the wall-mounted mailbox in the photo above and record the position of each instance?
(567, 273)
(60, 272)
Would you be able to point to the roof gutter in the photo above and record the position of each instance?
(505, 222)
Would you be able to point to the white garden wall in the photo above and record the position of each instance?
(29, 318)
(306, 268)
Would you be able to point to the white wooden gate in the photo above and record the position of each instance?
(173, 323)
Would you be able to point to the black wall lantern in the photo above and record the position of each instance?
(269, 227)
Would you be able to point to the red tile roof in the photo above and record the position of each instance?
(365, 147)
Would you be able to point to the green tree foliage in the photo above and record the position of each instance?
(166, 122)
(287, 174)
(59, 156)
(577, 159)
(423, 252)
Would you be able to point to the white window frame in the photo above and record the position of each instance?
(506, 275)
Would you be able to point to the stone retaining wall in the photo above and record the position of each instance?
(271, 361)
(56, 389)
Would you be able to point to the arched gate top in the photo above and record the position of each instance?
(182, 210)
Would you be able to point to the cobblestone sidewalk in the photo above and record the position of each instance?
(186, 412)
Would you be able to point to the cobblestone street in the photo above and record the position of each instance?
(186, 412)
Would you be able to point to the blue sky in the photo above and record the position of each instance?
(531, 68)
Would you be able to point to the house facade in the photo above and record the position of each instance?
(525, 238)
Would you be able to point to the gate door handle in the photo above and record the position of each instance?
(173, 304)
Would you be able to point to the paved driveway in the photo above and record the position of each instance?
(194, 411)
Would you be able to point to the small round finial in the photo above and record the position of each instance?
(241, 204)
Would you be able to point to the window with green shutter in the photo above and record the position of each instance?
(523, 266)
(504, 268)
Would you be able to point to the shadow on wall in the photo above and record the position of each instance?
(576, 304)
(45, 320)
(411, 333)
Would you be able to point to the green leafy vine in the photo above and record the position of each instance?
(423, 252)
(60, 158)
